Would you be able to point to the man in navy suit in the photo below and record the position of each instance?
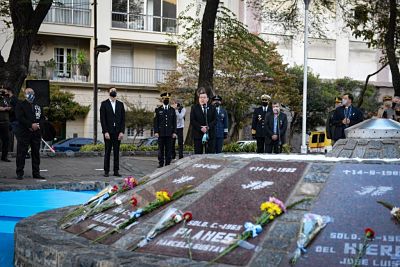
(345, 116)
(258, 130)
(221, 125)
(112, 118)
(202, 120)
(165, 130)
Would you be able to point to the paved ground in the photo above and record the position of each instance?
(72, 170)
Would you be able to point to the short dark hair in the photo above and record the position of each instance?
(201, 91)
(276, 103)
(350, 96)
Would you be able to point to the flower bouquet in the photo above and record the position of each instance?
(162, 198)
(170, 218)
(369, 235)
(394, 211)
(96, 204)
(311, 225)
(269, 211)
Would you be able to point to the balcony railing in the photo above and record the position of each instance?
(71, 16)
(139, 76)
(59, 71)
(140, 22)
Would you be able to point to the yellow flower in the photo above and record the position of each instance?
(264, 206)
(271, 217)
(163, 196)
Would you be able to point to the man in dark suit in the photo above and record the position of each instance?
(165, 130)
(345, 116)
(276, 125)
(202, 120)
(29, 116)
(258, 123)
(221, 124)
(112, 118)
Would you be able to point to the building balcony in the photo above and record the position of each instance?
(138, 76)
(68, 16)
(65, 72)
(141, 22)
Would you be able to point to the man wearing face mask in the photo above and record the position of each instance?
(29, 116)
(345, 116)
(221, 125)
(112, 118)
(276, 125)
(258, 123)
(165, 130)
(5, 109)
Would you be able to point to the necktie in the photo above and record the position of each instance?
(218, 110)
(275, 124)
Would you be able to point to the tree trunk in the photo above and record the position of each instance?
(26, 22)
(391, 49)
(206, 71)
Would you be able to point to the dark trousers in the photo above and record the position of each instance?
(112, 143)
(24, 140)
(274, 147)
(219, 142)
(260, 144)
(5, 139)
(179, 133)
(164, 150)
(208, 147)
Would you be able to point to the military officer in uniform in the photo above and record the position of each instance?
(221, 125)
(29, 115)
(165, 130)
(258, 130)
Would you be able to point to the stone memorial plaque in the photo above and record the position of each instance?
(103, 222)
(349, 197)
(219, 215)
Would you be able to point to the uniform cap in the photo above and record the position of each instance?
(165, 95)
(387, 98)
(216, 98)
(338, 100)
(265, 97)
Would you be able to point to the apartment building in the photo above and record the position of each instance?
(140, 56)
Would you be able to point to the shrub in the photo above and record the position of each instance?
(91, 148)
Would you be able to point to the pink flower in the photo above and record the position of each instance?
(278, 202)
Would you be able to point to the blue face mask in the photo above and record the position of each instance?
(30, 97)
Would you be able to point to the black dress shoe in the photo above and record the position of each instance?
(106, 174)
(160, 166)
(117, 174)
(6, 160)
(20, 177)
(39, 177)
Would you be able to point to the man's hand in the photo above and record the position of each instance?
(275, 137)
(120, 136)
(346, 121)
(156, 135)
(174, 135)
(107, 136)
(35, 126)
(204, 129)
(174, 105)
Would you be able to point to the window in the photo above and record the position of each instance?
(322, 49)
(64, 58)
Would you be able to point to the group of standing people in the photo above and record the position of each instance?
(24, 118)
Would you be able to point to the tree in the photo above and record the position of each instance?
(376, 22)
(138, 118)
(26, 22)
(63, 107)
(246, 67)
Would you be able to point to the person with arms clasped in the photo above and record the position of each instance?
(112, 118)
(221, 125)
(29, 116)
(258, 123)
(276, 126)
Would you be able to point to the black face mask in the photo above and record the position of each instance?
(166, 101)
(265, 104)
(217, 104)
(113, 94)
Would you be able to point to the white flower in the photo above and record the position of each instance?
(178, 218)
(394, 211)
(118, 201)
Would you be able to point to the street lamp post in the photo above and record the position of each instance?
(304, 121)
(97, 50)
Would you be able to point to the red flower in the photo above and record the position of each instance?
(369, 233)
(114, 189)
(187, 216)
(134, 201)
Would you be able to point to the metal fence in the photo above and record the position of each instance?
(140, 22)
(142, 76)
(66, 15)
(48, 70)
